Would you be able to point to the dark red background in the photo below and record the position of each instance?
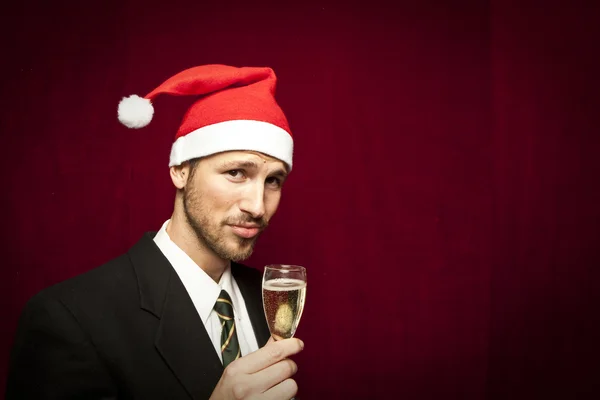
(445, 191)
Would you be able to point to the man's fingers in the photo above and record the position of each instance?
(274, 374)
(266, 371)
(284, 390)
(269, 355)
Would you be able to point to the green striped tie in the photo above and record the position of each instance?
(230, 347)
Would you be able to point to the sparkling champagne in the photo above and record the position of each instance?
(283, 300)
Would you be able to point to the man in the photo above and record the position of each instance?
(176, 316)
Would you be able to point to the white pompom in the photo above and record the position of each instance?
(135, 111)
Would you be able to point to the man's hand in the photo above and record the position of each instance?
(263, 374)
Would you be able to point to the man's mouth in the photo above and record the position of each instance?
(246, 231)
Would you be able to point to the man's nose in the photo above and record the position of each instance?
(253, 201)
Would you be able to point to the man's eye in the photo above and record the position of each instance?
(276, 182)
(236, 173)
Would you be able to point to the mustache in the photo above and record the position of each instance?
(246, 219)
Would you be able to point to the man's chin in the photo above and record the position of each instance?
(240, 251)
(239, 256)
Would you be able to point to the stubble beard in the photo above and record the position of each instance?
(209, 233)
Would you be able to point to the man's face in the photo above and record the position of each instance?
(229, 199)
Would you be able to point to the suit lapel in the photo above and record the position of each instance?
(249, 282)
(181, 338)
(183, 342)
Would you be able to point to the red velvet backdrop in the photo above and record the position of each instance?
(445, 191)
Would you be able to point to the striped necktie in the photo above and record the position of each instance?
(230, 347)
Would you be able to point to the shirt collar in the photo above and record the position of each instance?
(203, 291)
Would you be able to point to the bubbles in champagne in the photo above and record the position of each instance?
(283, 301)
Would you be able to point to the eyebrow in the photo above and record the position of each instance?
(239, 164)
(281, 172)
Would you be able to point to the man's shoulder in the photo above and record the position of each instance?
(108, 278)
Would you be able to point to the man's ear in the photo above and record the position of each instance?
(180, 174)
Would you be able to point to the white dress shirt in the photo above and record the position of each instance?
(204, 292)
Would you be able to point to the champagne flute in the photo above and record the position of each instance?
(283, 294)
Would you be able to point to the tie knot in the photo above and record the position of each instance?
(224, 306)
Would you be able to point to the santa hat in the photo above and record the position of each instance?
(236, 111)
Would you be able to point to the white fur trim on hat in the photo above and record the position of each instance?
(135, 111)
(234, 135)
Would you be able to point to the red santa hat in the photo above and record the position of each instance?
(236, 111)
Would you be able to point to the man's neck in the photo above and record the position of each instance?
(186, 239)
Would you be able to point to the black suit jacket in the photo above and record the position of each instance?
(127, 329)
